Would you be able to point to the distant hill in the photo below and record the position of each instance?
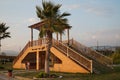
(112, 48)
(10, 52)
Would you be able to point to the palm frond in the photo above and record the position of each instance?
(3, 31)
(65, 14)
(53, 20)
(39, 12)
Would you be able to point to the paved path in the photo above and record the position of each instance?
(3, 77)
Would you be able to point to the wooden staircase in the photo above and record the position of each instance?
(22, 52)
(31, 46)
(101, 63)
(72, 54)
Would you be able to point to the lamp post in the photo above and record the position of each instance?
(97, 45)
(0, 46)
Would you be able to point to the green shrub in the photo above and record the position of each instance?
(116, 58)
(53, 76)
(45, 75)
(42, 75)
(1, 67)
(117, 50)
(10, 70)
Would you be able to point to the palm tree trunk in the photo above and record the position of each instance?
(47, 56)
(47, 59)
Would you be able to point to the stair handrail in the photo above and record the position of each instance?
(21, 53)
(87, 64)
(38, 42)
(105, 60)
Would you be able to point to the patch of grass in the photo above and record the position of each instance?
(116, 58)
(117, 69)
(45, 75)
(1, 67)
(27, 74)
(6, 66)
(115, 75)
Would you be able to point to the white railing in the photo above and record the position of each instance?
(91, 53)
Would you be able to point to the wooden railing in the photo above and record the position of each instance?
(91, 53)
(39, 42)
(81, 60)
(21, 53)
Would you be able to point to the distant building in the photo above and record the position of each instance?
(99, 48)
(7, 58)
(106, 50)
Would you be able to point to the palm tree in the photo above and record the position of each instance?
(53, 22)
(3, 32)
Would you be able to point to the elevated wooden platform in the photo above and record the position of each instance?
(74, 57)
(60, 60)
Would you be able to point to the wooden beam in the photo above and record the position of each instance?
(31, 37)
(37, 61)
(68, 35)
(61, 37)
(57, 36)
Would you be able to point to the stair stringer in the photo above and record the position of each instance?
(67, 64)
(19, 64)
(91, 54)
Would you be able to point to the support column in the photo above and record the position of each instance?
(31, 37)
(52, 60)
(57, 36)
(68, 35)
(61, 37)
(37, 61)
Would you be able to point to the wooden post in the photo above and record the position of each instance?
(57, 36)
(37, 61)
(52, 56)
(72, 41)
(61, 37)
(67, 52)
(68, 35)
(31, 37)
(91, 66)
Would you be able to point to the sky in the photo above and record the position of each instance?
(92, 21)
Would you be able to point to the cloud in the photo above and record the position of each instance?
(98, 10)
(93, 37)
(32, 20)
(107, 37)
(94, 10)
(91, 8)
(72, 7)
(29, 21)
(104, 37)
